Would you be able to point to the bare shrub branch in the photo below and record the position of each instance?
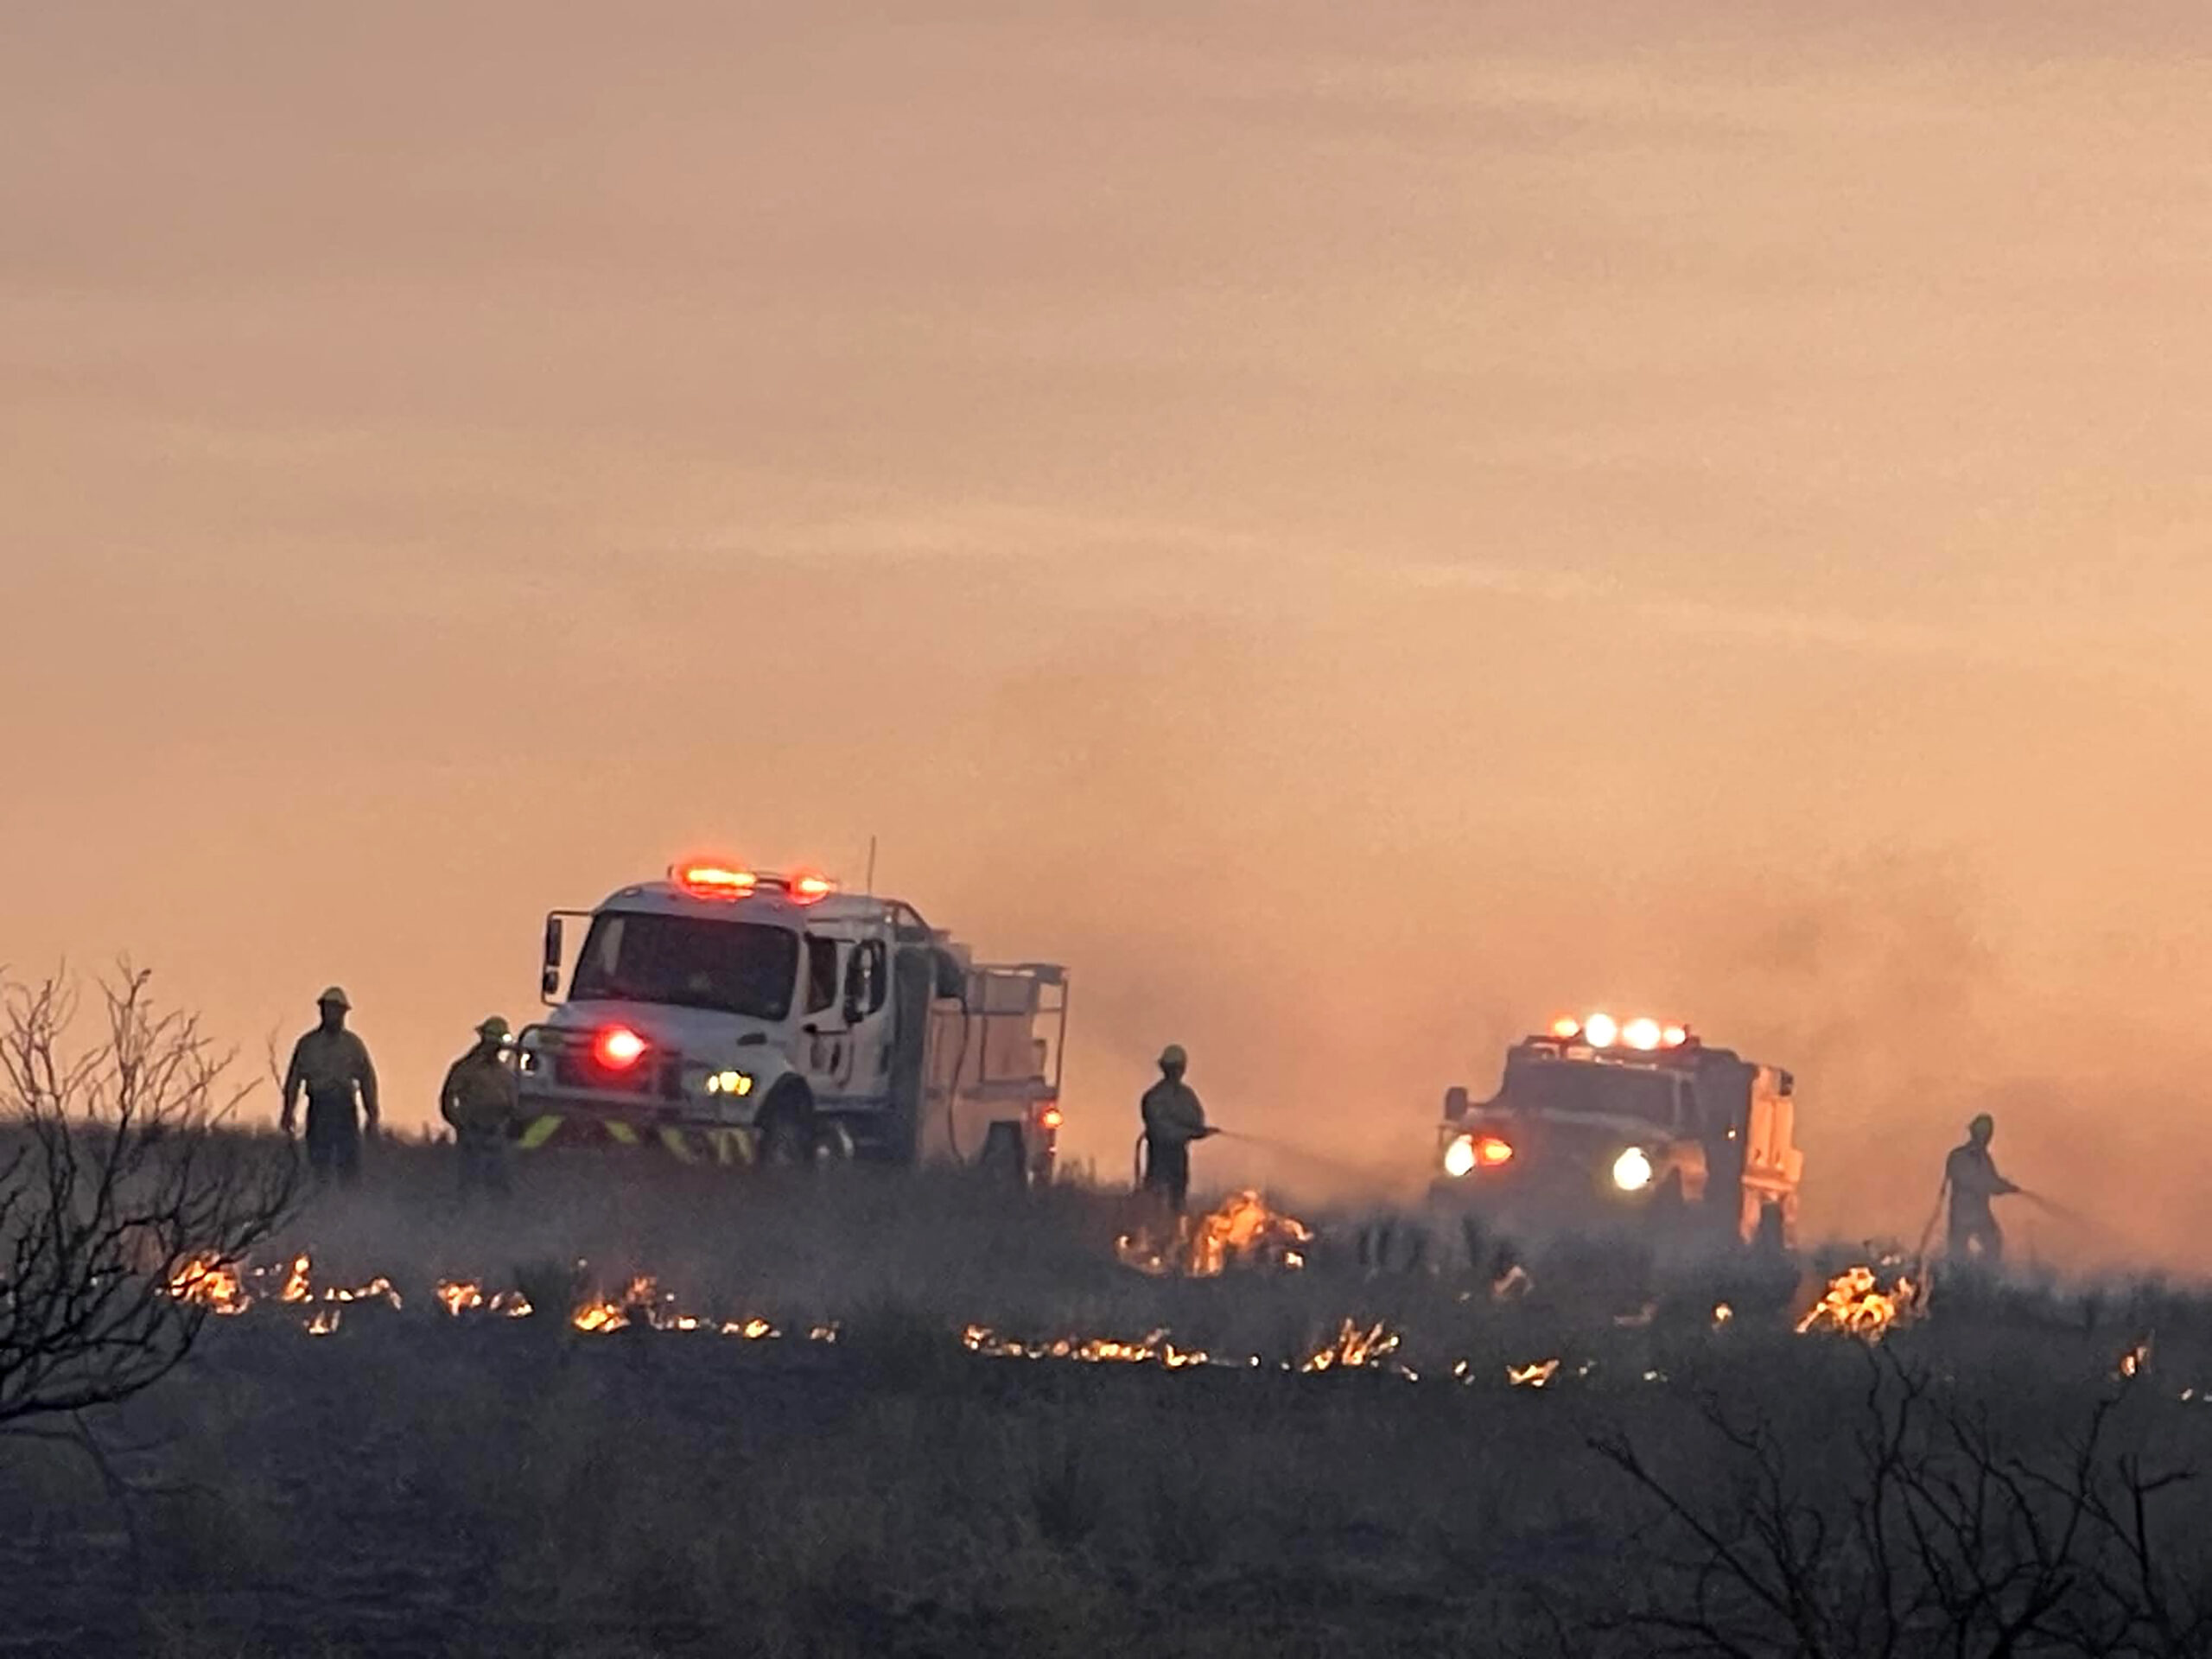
(1916, 1528)
(120, 1177)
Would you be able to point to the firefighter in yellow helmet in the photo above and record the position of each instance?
(1172, 1119)
(1970, 1176)
(480, 1100)
(331, 1065)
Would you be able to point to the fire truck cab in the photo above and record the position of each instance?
(729, 1016)
(1602, 1119)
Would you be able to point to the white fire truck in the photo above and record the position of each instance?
(731, 1015)
(1601, 1119)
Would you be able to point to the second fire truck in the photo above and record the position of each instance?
(1599, 1120)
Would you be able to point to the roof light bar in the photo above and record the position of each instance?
(807, 887)
(1643, 1033)
(710, 881)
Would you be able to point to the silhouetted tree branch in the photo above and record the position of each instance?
(1913, 1529)
(118, 1181)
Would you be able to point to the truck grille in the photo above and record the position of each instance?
(574, 1068)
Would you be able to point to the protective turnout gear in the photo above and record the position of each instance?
(1172, 1119)
(332, 1065)
(479, 1094)
(1970, 1175)
(480, 1099)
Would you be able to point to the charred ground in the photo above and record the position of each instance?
(1352, 1471)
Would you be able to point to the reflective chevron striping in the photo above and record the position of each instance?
(729, 1147)
(537, 1132)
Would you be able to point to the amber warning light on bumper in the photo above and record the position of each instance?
(1469, 1153)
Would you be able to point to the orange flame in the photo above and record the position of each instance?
(210, 1282)
(1353, 1349)
(1244, 1231)
(1856, 1305)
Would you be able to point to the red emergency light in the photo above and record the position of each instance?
(1491, 1152)
(808, 888)
(617, 1048)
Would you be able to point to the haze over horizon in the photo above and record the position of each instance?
(1357, 532)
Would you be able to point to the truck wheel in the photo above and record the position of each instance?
(1770, 1239)
(1003, 1157)
(787, 1132)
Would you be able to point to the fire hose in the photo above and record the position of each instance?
(1304, 1154)
(2050, 1207)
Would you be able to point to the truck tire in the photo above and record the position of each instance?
(1004, 1158)
(1669, 1208)
(1771, 1237)
(787, 1129)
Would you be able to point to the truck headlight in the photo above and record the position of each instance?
(737, 1083)
(1459, 1157)
(1632, 1171)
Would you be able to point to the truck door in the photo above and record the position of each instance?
(825, 1052)
(864, 1006)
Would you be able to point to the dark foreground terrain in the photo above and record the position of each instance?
(1992, 1477)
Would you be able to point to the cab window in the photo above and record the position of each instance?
(821, 973)
(865, 981)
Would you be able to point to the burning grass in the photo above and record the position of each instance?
(710, 1438)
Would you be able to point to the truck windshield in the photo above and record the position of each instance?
(1612, 1091)
(746, 968)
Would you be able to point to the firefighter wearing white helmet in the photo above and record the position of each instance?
(481, 1100)
(1172, 1119)
(331, 1065)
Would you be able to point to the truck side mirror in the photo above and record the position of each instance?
(1455, 1104)
(548, 978)
(951, 982)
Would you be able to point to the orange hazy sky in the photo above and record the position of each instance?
(1355, 526)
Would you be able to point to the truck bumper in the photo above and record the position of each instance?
(548, 1124)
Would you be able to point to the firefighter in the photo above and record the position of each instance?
(332, 1065)
(1172, 1119)
(1970, 1174)
(480, 1100)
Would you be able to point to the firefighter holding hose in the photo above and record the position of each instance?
(1172, 1119)
(1970, 1175)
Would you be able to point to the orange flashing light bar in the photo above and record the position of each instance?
(714, 880)
(728, 883)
